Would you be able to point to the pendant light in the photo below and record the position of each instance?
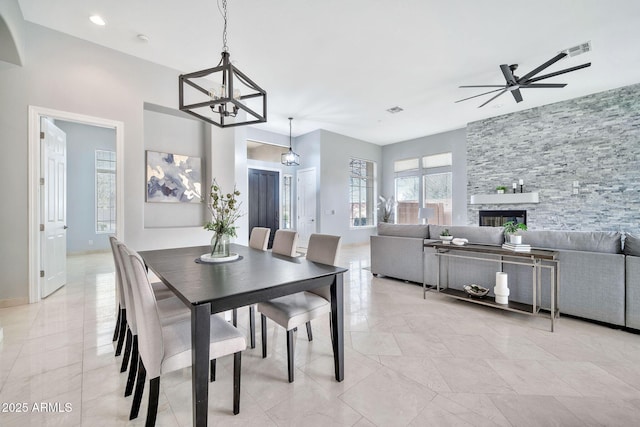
(290, 158)
(216, 95)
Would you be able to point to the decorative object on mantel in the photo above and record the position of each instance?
(501, 289)
(512, 229)
(290, 158)
(225, 210)
(514, 187)
(501, 189)
(476, 290)
(446, 237)
(521, 182)
(387, 206)
(224, 99)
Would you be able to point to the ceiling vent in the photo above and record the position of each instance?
(394, 110)
(578, 50)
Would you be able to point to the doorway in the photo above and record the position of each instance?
(264, 200)
(37, 255)
(306, 205)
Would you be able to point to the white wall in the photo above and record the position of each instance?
(64, 73)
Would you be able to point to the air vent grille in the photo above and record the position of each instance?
(394, 110)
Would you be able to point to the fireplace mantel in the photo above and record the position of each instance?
(504, 199)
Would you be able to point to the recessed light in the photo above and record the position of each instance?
(98, 20)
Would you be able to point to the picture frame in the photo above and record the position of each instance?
(173, 178)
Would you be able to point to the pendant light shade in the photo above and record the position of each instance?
(223, 95)
(290, 158)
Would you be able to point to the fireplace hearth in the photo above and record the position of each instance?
(498, 218)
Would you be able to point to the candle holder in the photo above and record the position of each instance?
(521, 186)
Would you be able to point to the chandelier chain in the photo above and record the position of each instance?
(223, 12)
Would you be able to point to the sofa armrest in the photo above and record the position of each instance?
(398, 257)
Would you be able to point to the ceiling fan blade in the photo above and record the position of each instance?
(508, 74)
(501, 92)
(517, 95)
(557, 73)
(502, 86)
(543, 85)
(475, 96)
(550, 62)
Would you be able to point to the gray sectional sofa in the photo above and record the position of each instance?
(598, 281)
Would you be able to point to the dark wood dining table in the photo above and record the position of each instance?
(208, 288)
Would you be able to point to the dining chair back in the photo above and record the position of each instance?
(285, 242)
(120, 329)
(324, 249)
(259, 238)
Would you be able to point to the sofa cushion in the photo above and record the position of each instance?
(474, 234)
(403, 230)
(588, 241)
(631, 245)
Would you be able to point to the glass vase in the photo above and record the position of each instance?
(219, 245)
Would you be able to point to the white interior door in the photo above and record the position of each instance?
(53, 215)
(306, 189)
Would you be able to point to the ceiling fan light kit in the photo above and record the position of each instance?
(216, 95)
(514, 83)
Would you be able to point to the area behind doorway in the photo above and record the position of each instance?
(264, 200)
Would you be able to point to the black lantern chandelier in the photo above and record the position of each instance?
(216, 95)
(290, 158)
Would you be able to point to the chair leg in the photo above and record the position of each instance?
(116, 330)
(290, 354)
(122, 331)
(152, 409)
(234, 316)
(309, 333)
(237, 358)
(133, 367)
(212, 371)
(127, 352)
(137, 395)
(263, 330)
(252, 326)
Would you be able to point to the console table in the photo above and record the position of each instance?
(537, 259)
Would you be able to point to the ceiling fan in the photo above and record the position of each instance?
(515, 83)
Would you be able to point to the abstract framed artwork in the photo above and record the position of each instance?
(173, 178)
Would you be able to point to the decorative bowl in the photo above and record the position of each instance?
(476, 290)
(446, 239)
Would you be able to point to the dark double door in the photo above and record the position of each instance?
(264, 200)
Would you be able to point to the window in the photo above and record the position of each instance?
(105, 191)
(424, 183)
(361, 193)
(436, 187)
(407, 196)
(287, 207)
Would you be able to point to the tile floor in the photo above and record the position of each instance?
(409, 361)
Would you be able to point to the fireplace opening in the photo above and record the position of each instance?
(498, 218)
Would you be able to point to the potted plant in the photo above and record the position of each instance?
(387, 206)
(224, 210)
(501, 189)
(512, 229)
(445, 236)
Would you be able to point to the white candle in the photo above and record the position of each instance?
(501, 280)
(521, 182)
(514, 185)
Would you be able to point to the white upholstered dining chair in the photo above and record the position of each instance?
(259, 238)
(166, 348)
(291, 311)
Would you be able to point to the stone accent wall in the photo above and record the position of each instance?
(594, 140)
